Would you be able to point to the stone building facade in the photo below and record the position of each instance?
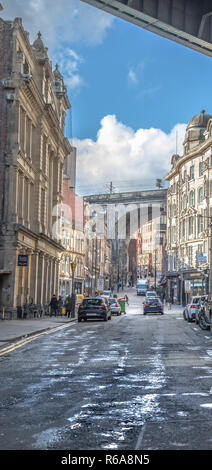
(73, 239)
(33, 106)
(189, 211)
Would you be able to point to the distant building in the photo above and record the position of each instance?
(126, 213)
(33, 105)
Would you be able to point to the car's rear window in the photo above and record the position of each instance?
(94, 301)
(195, 300)
(153, 301)
(112, 301)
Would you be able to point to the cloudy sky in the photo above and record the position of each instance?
(132, 92)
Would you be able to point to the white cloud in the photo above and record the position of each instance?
(120, 154)
(60, 20)
(132, 77)
(69, 63)
(64, 24)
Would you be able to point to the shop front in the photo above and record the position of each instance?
(195, 283)
(173, 287)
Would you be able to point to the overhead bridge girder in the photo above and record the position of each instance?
(188, 22)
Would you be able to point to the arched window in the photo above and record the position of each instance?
(201, 194)
(191, 225)
(174, 210)
(184, 201)
(191, 198)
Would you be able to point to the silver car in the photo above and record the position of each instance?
(114, 306)
(189, 312)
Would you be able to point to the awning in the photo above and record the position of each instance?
(4, 271)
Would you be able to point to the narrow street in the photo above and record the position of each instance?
(135, 382)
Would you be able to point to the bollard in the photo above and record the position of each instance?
(2, 315)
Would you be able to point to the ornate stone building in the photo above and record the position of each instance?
(33, 105)
(189, 208)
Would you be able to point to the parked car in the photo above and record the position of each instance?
(204, 313)
(106, 294)
(114, 306)
(151, 293)
(94, 307)
(189, 312)
(153, 305)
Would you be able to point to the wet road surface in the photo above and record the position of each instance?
(135, 382)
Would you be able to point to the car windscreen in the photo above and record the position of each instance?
(112, 301)
(87, 302)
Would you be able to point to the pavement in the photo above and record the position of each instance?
(12, 330)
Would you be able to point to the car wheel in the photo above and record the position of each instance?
(106, 319)
(79, 320)
(184, 315)
(202, 323)
(161, 313)
(189, 319)
(85, 319)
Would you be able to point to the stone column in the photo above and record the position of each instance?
(40, 279)
(50, 277)
(34, 276)
(54, 275)
(46, 294)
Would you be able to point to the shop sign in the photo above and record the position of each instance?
(201, 258)
(100, 284)
(188, 287)
(22, 260)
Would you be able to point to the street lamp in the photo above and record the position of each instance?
(73, 267)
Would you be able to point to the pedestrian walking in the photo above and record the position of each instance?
(127, 300)
(60, 305)
(68, 305)
(54, 306)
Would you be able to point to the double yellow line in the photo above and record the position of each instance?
(23, 342)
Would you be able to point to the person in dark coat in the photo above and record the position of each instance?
(60, 305)
(68, 305)
(54, 305)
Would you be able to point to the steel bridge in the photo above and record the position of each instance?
(187, 22)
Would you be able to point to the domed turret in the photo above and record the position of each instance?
(196, 127)
(38, 44)
(200, 120)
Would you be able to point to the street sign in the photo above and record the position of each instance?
(22, 260)
(100, 284)
(201, 258)
(187, 287)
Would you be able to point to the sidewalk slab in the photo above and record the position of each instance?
(11, 330)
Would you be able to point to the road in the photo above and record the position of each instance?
(135, 382)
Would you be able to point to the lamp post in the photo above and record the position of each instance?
(73, 267)
(155, 267)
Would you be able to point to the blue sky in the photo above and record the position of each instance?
(171, 83)
(132, 92)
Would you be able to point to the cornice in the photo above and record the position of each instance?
(188, 157)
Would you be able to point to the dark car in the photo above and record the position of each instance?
(153, 305)
(94, 307)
